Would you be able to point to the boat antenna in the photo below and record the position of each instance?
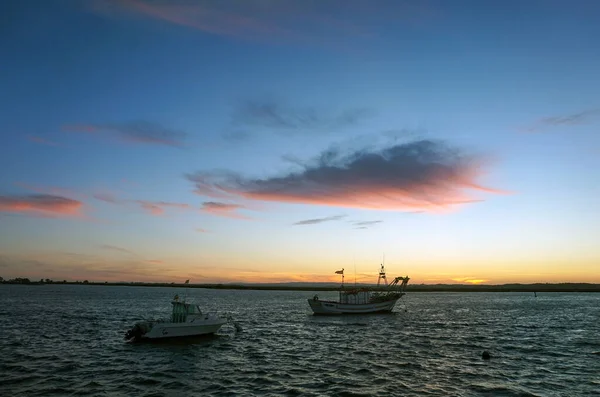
(187, 282)
(354, 271)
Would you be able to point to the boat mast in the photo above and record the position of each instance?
(342, 273)
(382, 274)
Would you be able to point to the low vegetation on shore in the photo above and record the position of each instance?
(537, 287)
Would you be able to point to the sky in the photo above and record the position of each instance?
(280, 141)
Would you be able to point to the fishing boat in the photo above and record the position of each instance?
(362, 300)
(186, 320)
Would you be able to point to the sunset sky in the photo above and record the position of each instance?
(275, 140)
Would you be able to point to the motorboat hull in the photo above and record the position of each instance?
(186, 320)
(178, 330)
(332, 307)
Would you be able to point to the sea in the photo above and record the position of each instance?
(67, 340)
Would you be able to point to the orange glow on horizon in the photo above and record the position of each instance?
(121, 265)
(470, 280)
(179, 276)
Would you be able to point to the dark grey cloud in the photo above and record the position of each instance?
(422, 175)
(320, 220)
(143, 132)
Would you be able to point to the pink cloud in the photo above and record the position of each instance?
(159, 207)
(41, 205)
(223, 209)
(152, 207)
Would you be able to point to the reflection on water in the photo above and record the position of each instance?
(60, 339)
(183, 341)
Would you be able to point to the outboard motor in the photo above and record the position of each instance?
(137, 332)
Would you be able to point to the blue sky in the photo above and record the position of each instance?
(458, 138)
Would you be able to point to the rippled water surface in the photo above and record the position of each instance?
(68, 340)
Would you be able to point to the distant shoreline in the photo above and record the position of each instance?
(538, 287)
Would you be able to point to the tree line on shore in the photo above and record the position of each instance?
(24, 280)
(537, 287)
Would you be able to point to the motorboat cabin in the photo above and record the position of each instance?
(181, 311)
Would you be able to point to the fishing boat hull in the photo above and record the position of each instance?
(332, 307)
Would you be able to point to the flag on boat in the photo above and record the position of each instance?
(340, 271)
(187, 281)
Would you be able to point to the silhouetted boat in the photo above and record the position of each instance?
(362, 300)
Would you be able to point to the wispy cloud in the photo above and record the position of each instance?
(42, 141)
(107, 198)
(282, 21)
(41, 205)
(52, 190)
(422, 175)
(116, 248)
(219, 18)
(152, 207)
(201, 230)
(365, 224)
(228, 210)
(142, 132)
(287, 120)
(126, 251)
(159, 207)
(320, 220)
(565, 120)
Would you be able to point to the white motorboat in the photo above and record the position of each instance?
(186, 320)
(362, 300)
